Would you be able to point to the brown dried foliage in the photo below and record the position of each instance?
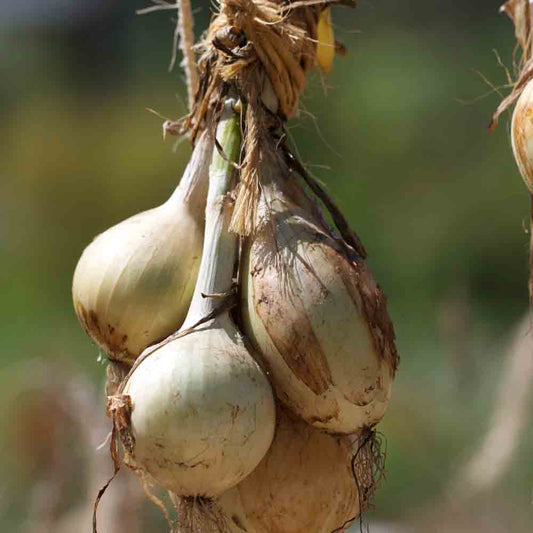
(520, 13)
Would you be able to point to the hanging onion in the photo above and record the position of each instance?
(522, 135)
(315, 315)
(133, 284)
(203, 413)
(304, 484)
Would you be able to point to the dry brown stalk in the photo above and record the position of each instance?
(257, 47)
(184, 30)
(244, 217)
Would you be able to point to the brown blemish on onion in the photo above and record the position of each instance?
(285, 319)
(105, 335)
(238, 523)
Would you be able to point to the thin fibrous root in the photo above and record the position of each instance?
(368, 470)
(197, 514)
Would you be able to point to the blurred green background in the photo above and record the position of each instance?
(397, 132)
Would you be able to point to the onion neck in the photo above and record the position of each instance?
(192, 188)
(279, 194)
(215, 276)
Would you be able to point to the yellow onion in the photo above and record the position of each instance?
(203, 412)
(522, 135)
(315, 315)
(304, 484)
(133, 284)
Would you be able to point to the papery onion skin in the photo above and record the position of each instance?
(304, 484)
(203, 413)
(318, 319)
(522, 135)
(133, 284)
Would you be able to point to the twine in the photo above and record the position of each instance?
(248, 42)
(283, 42)
(251, 44)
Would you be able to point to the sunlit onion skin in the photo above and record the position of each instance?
(304, 484)
(318, 318)
(203, 413)
(133, 284)
(522, 135)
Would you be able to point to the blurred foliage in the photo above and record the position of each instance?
(401, 127)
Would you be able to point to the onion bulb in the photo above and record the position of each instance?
(317, 317)
(203, 412)
(133, 284)
(522, 135)
(304, 484)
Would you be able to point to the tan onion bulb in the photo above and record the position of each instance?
(203, 412)
(318, 319)
(522, 135)
(304, 484)
(133, 284)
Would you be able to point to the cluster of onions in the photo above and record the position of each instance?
(251, 427)
(251, 366)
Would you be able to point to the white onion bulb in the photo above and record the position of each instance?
(203, 412)
(304, 484)
(318, 319)
(133, 284)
